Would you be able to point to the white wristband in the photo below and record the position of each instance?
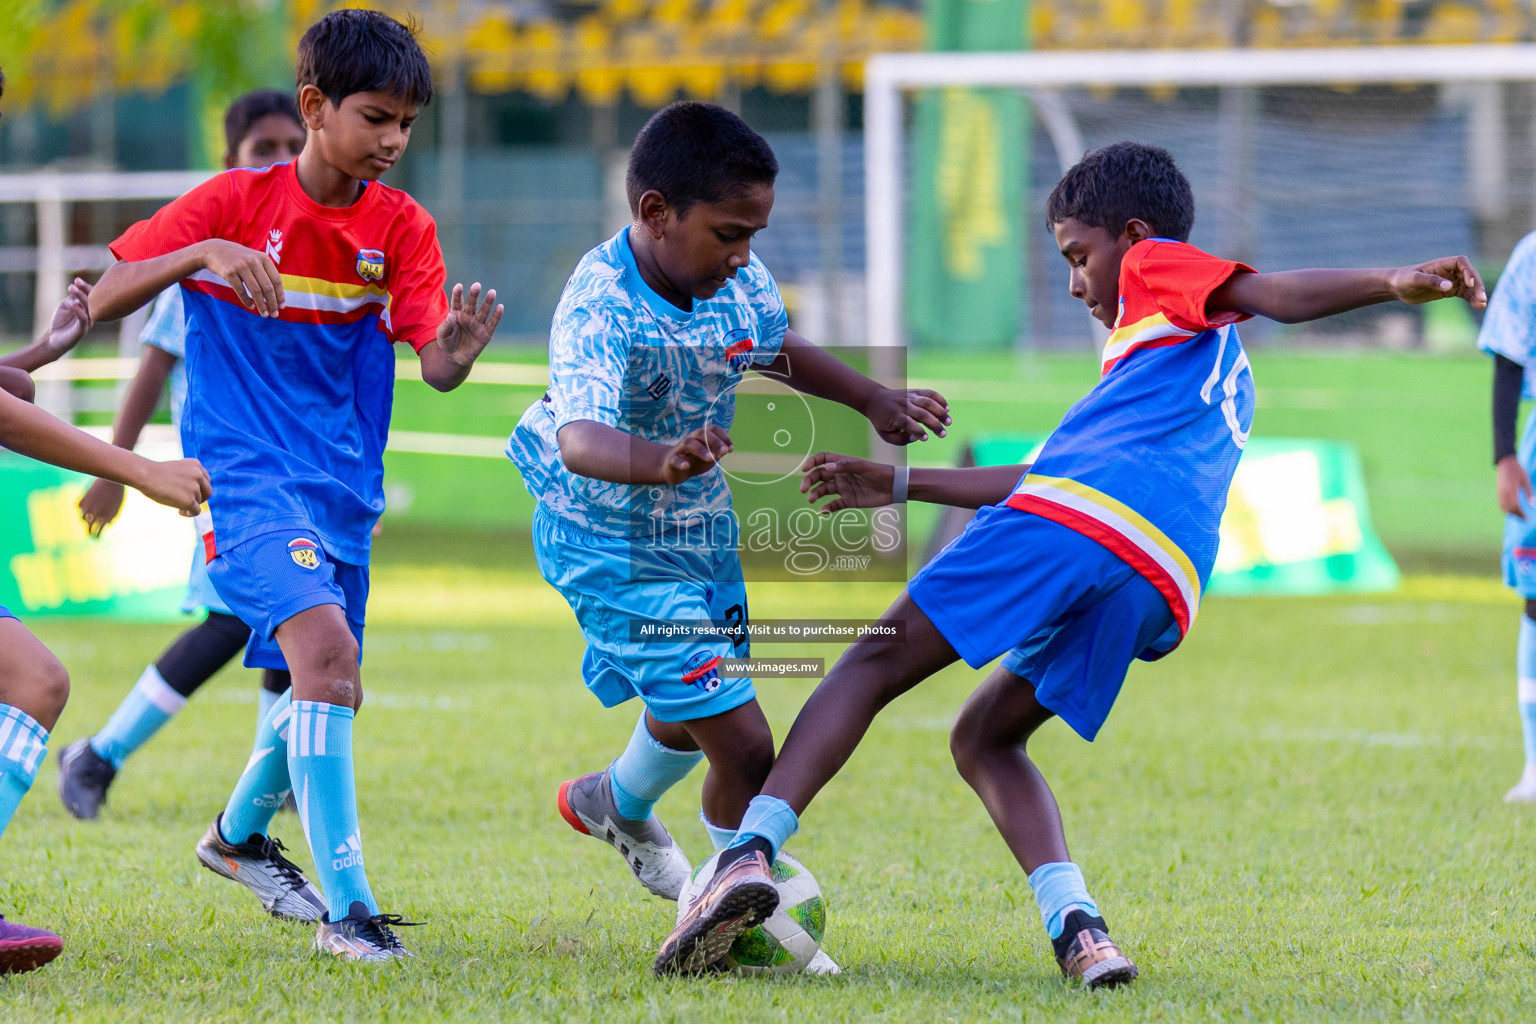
(899, 484)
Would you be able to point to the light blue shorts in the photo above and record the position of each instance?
(200, 592)
(1520, 551)
(6, 613)
(614, 583)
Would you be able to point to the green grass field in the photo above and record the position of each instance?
(1295, 818)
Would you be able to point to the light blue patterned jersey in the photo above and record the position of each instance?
(621, 355)
(166, 330)
(1509, 326)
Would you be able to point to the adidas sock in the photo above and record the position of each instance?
(320, 761)
(265, 698)
(265, 781)
(1526, 663)
(645, 771)
(770, 819)
(22, 745)
(720, 837)
(148, 706)
(1060, 889)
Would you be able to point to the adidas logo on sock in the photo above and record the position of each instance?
(349, 854)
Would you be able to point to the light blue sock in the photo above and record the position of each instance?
(265, 781)
(148, 706)
(1526, 662)
(320, 761)
(22, 745)
(720, 837)
(1060, 889)
(768, 818)
(646, 770)
(265, 698)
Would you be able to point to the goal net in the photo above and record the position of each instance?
(1315, 157)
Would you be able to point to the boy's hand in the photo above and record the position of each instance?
(698, 452)
(469, 325)
(71, 320)
(858, 483)
(252, 275)
(900, 416)
(102, 502)
(1513, 484)
(1446, 277)
(182, 485)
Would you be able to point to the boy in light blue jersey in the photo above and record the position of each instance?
(655, 329)
(260, 128)
(1094, 556)
(1509, 335)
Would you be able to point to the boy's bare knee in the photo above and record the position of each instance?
(972, 737)
(332, 672)
(47, 685)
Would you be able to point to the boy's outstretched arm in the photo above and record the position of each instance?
(859, 483)
(900, 417)
(128, 285)
(104, 498)
(589, 448)
(461, 337)
(30, 431)
(70, 323)
(1295, 296)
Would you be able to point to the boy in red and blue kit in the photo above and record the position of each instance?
(1094, 556)
(296, 281)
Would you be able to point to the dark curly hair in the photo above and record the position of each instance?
(693, 152)
(1123, 181)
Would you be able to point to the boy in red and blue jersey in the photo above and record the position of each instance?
(296, 281)
(1075, 566)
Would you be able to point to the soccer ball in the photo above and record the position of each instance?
(786, 942)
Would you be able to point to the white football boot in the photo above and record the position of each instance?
(1525, 790)
(362, 936)
(261, 867)
(647, 848)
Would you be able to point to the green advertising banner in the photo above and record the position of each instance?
(1297, 520)
(50, 566)
(965, 256)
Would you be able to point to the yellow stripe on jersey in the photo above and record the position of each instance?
(1125, 522)
(332, 289)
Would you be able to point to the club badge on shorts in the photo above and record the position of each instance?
(703, 671)
(305, 553)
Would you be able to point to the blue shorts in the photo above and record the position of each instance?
(1070, 616)
(1520, 551)
(597, 575)
(6, 613)
(200, 593)
(269, 579)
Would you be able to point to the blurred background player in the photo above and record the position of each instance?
(290, 385)
(1509, 335)
(1095, 556)
(655, 329)
(260, 129)
(33, 684)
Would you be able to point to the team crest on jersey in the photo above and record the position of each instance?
(305, 553)
(738, 349)
(370, 264)
(703, 671)
(275, 245)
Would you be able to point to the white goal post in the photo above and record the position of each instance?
(888, 76)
